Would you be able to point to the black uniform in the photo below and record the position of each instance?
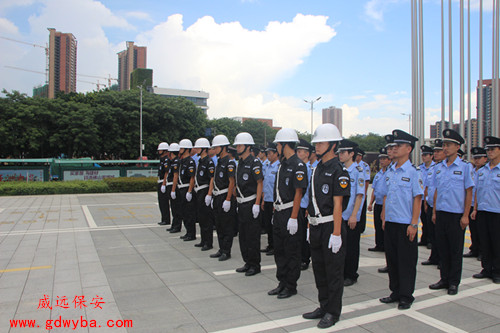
(163, 198)
(174, 204)
(187, 171)
(249, 172)
(204, 173)
(328, 180)
(224, 170)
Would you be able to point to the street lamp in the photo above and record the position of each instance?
(140, 124)
(409, 121)
(312, 103)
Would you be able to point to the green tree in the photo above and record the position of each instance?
(370, 142)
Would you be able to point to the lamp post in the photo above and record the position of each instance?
(409, 121)
(140, 123)
(312, 108)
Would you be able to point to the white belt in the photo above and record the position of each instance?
(182, 185)
(246, 199)
(219, 192)
(160, 181)
(201, 187)
(284, 206)
(318, 220)
(167, 184)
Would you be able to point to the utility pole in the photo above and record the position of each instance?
(312, 108)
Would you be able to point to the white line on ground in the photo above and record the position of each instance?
(231, 271)
(428, 320)
(69, 206)
(88, 217)
(272, 324)
(82, 229)
(2, 209)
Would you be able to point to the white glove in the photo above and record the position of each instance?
(226, 205)
(189, 196)
(172, 195)
(292, 226)
(208, 200)
(255, 211)
(307, 235)
(163, 189)
(335, 243)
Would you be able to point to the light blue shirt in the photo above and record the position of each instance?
(215, 159)
(376, 186)
(451, 183)
(474, 178)
(429, 183)
(425, 170)
(269, 180)
(488, 188)
(196, 158)
(304, 203)
(400, 187)
(366, 170)
(356, 174)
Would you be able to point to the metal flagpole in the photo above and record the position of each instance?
(495, 115)
(421, 77)
(462, 99)
(450, 66)
(469, 117)
(480, 85)
(442, 70)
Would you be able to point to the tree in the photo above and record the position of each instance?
(370, 142)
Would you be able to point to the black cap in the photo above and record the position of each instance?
(403, 137)
(303, 144)
(460, 153)
(452, 136)
(271, 147)
(383, 152)
(389, 139)
(438, 144)
(491, 141)
(426, 149)
(231, 150)
(359, 151)
(256, 149)
(347, 145)
(478, 152)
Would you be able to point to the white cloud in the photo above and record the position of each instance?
(139, 16)
(375, 10)
(7, 27)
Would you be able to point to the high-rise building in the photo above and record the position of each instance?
(486, 112)
(333, 115)
(62, 62)
(436, 131)
(128, 60)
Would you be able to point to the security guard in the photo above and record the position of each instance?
(224, 204)
(427, 162)
(204, 174)
(329, 188)
(185, 186)
(352, 214)
(303, 151)
(248, 196)
(479, 159)
(367, 173)
(291, 181)
(267, 204)
(162, 188)
(378, 199)
(452, 202)
(403, 189)
(173, 177)
(487, 211)
(438, 157)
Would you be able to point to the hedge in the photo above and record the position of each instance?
(108, 185)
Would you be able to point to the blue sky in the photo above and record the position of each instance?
(256, 58)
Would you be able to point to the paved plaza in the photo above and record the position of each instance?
(102, 260)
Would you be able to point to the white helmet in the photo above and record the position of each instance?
(243, 138)
(202, 143)
(163, 146)
(185, 143)
(220, 140)
(326, 133)
(286, 135)
(174, 147)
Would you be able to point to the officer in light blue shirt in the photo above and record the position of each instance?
(452, 202)
(403, 189)
(427, 153)
(487, 211)
(267, 204)
(367, 175)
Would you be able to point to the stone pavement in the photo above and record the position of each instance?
(101, 259)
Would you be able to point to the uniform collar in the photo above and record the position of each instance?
(352, 167)
(404, 167)
(249, 159)
(287, 161)
(274, 163)
(330, 162)
(489, 168)
(456, 161)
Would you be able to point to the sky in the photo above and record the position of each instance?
(257, 58)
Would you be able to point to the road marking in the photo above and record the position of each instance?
(273, 324)
(428, 320)
(82, 229)
(88, 217)
(2, 209)
(23, 269)
(232, 271)
(70, 206)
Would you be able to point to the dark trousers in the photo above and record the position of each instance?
(287, 250)
(328, 267)
(434, 256)
(224, 223)
(362, 219)
(377, 221)
(163, 204)
(351, 265)
(188, 209)
(489, 232)
(475, 246)
(267, 216)
(204, 218)
(249, 234)
(450, 239)
(401, 256)
(305, 250)
(176, 207)
(424, 238)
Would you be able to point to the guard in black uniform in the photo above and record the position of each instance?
(329, 189)
(162, 188)
(248, 195)
(173, 176)
(224, 204)
(186, 186)
(291, 181)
